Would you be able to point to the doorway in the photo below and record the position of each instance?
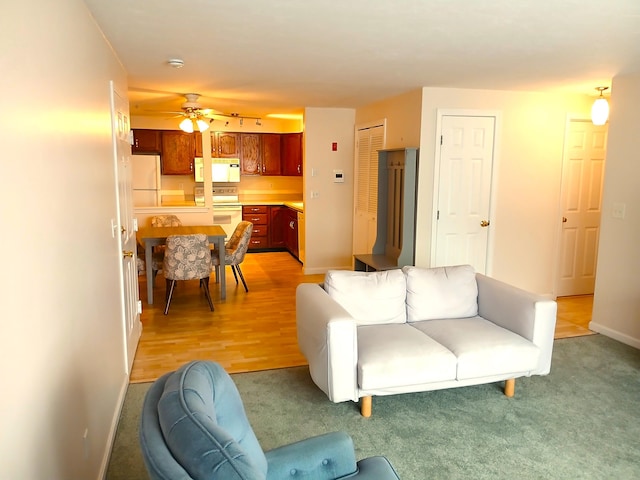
(583, 167)
(131, 306)
(580, 202)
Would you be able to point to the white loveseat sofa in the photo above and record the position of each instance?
(419, 329)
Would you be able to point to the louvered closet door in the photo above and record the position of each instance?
(369, 141)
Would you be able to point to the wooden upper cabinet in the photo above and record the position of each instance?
(291, 154)
(271, 164)
(251, 153)
(225, 144)
(178, 152)
(146, 141)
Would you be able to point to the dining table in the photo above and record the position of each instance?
(150, 237)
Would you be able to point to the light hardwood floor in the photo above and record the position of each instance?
(246, 332)
(574, 315)
(249, 331)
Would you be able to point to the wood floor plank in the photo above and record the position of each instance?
(255, 330)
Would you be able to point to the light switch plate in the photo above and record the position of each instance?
(618, 210)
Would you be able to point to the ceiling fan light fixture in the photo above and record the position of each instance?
(202, 125)
(600, 108)
(186, 125)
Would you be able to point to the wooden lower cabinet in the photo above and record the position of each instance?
(275, 227)
(259, 216)
(278, 219)
(291, 232)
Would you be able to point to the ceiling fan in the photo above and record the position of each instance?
(198, 118)
(195, 117)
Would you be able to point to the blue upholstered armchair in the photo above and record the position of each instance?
(193, 426)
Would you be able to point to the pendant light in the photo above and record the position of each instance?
(600, 108)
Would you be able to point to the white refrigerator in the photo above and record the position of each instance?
(145, 180)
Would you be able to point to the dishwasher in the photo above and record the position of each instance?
(301, 248)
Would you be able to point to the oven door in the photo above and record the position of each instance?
(228, 216)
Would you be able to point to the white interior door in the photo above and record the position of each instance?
(581, 197)
(130, 298)
(464, 191)
(365, 218)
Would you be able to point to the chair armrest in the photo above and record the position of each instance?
(327, 456)
(327, 337)
(376, 468)
(529, 315)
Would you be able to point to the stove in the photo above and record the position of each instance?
(225, 195)
(227, 209)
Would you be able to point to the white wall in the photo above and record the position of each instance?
(329, 217)
(529, 161)
(61, 330)
(403, 118)
(616, 304)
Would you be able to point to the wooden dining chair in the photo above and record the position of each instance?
(165, 221)
(158, 251)
(187, 257)
(235, 250)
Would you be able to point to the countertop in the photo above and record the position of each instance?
(295, 205)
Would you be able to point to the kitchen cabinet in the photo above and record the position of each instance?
(259, 216)
(278, 223)
(260, 154)
(275, 227)
(291, 154)
(291, 232)
(178, 152)
(271, 163)
(225, 144)
(146, 142)
(250, 154)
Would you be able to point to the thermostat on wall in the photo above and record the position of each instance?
(338, 176)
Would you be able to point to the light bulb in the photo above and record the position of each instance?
(202, 125)
(600, 111)
(186, 125)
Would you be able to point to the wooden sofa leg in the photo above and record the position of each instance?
(510, 387)
(365, 406)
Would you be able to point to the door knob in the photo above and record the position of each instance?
(484, 223)
(127, 253)
(564, 219)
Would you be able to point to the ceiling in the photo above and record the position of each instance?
(257, 57)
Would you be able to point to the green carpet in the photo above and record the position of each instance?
(582, 421)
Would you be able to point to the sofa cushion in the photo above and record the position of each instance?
(442, 292)
(370, 297)
(482, 347)
(397, 355)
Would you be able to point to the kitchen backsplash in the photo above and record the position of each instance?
(250, 187)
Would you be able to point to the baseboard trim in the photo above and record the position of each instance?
(114, 428)
(616, 335)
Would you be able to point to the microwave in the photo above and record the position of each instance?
(223, 170)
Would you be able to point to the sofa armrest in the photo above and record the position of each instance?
(327, 456)
(529, 315)
(327, 337)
